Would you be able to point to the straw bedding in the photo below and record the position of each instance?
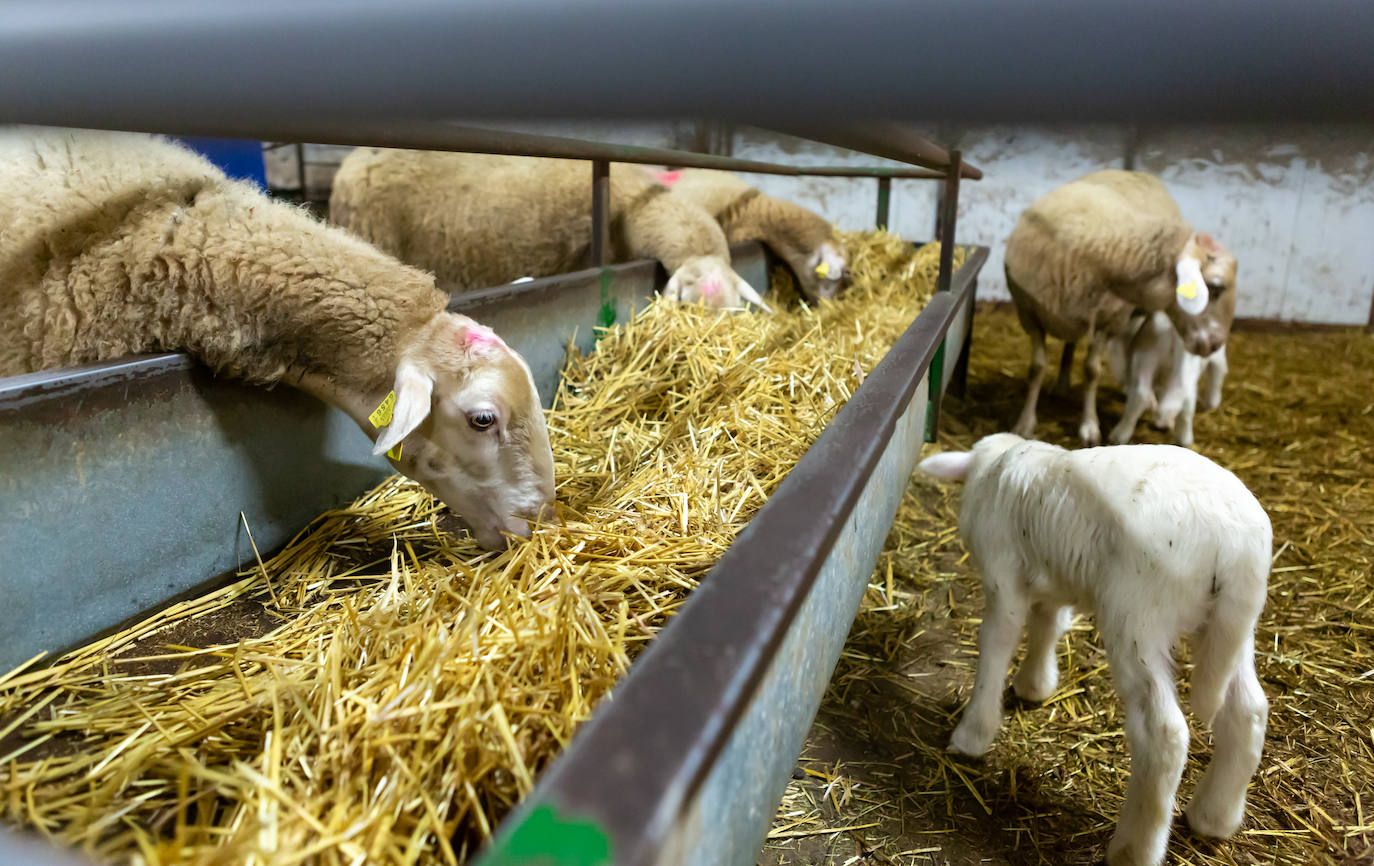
(401, 689)
(1297, 425)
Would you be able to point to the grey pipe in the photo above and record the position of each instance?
(256, 69)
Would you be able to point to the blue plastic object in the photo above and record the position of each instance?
(239, 158)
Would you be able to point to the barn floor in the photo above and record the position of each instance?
(1297, 425)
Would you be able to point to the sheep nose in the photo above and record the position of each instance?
(710, 288)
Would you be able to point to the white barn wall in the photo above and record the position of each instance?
(1296, 205)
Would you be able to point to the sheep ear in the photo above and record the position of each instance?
(414, 388)
(747, 292)
(949, 465)
(673, 291)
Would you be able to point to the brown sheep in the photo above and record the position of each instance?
(116, 244)
(477, 220)
(1083, 256)
(803, 239)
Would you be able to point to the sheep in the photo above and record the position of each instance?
(477, 220)
(1087, 254)
(803, 239)
(114, 244)
(1159, 374)
(1156, 541)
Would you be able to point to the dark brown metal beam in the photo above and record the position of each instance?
(887, 140)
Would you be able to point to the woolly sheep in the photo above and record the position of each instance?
(477, 220)
(1159, 374)
(1087, 254)
(803, 239)
(1156, 541)
(114, 244)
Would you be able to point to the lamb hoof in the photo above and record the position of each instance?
(1033, 689)
(967, 741)
(1120, 435)
(1025, 429)
(1121, 852)
(1215, 823)
(1090, 434)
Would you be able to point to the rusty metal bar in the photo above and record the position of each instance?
(601, 211)
(884, 201)
(888, 140)
(949, 211)
(441, 135)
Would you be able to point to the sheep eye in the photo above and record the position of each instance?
(482, 420)
(1216, 288)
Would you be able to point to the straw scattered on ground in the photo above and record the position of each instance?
(404, 689)
(1297, 425)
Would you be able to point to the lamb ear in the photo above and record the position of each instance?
(949, 465)
(673, 291)
(747, 292)
(414, 388)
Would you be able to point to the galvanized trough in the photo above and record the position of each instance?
(131, 484)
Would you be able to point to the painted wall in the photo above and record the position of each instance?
(1296, 205)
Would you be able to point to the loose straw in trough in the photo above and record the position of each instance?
(402, 689)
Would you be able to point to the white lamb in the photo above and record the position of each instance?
(1156, 541)
(1160, 374)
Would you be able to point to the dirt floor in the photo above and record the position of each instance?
(875, 785)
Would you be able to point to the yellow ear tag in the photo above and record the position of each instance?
(381, 416)
(823, 269)
(1188, 290)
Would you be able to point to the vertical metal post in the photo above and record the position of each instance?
(1132, 148)
(601, 211)
(949, 210)
(300, 170)
(944, 229)
(884, 200)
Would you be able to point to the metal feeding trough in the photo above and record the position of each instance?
(126, 482)
(687, 762)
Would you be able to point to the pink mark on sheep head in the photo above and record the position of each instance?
(710, 280)
(472, 427)
(668, 178)
(480, 336)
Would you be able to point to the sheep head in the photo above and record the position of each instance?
(711, 281)
(1206, 331)
(823, 274)
(467, 417)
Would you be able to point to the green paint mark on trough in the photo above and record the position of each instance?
(545, 838)
(606, 316)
